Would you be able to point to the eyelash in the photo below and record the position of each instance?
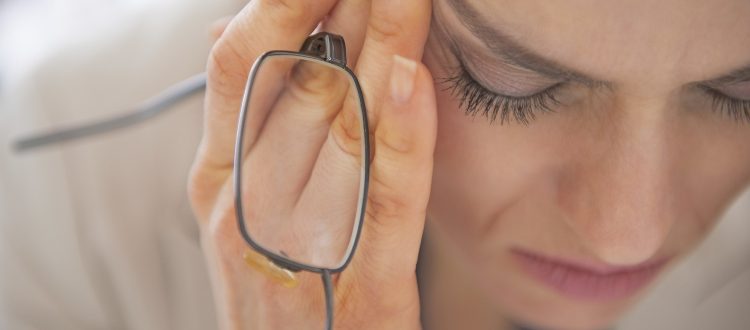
(733, 108)
(476, 99)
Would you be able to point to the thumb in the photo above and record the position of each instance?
(400, 175)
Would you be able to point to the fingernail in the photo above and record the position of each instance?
(403, 73)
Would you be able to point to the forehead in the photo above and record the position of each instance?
(666, 41)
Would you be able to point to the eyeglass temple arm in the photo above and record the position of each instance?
(148, 109)
(328, 290)
(329, 47)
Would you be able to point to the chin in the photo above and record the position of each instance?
(538, 313)
(587, 321)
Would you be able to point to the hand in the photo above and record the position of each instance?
(379, 288)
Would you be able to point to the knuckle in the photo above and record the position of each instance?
(204, 185)
(308, 79)
(195, 187)
(346, 132)
(223, 228)
(198, 183)
(197, 192)
(384, 29)
(385, 201)
(232, 55)
(318, 85)
(393, 143)
(226, 70)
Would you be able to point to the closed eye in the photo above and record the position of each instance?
(476, 99)
(728, 106)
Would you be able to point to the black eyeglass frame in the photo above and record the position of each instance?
(328, 49)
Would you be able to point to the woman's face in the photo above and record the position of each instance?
(621, 133)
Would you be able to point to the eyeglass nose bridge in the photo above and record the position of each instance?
(327, 46)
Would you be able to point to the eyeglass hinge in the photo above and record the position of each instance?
(327, 46)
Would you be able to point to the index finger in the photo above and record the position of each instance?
(261, 26)
(395, 27)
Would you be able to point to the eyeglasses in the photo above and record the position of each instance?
(302, 213)
(150, 108)
(300, 203)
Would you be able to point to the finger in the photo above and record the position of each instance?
(400, 176)
(217, 27)
(349, 20)
(292, 136)
(394, 27)
(328, 204)
(261, 26)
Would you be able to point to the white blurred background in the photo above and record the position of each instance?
(31, 29)
(98, 234)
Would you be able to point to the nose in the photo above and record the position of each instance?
(619, 198)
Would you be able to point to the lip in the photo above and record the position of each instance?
(587, 280)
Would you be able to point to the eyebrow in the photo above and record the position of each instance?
(511, 50)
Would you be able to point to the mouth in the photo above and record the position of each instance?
(586, 280)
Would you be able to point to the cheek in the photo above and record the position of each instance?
(481, 169)
(484, 172)
(716, 168)
(491, 191)
(465, 164)
(495, 187)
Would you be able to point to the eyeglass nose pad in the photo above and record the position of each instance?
(327, 46)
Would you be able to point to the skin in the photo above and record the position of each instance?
(619, 175)
(632, 168)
